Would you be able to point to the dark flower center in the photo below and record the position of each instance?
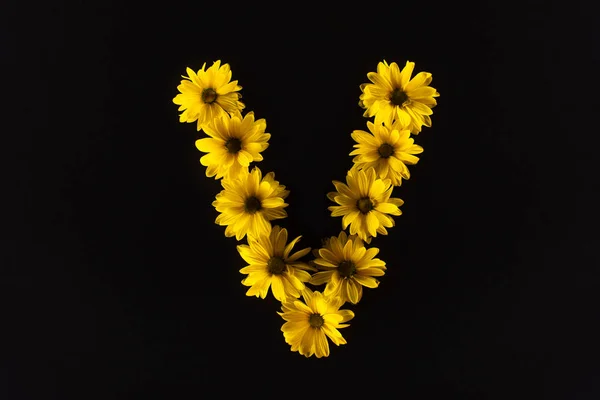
(209, 95)
(386, 150)
(398, 97)
(276, 265)
(346, 269)
(364, 205)
(252, 205)
(316, 321)
(233, 145)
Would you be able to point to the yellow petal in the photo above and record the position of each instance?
(263, 287)
(296, 283)
(278, 238)
(333, 334)
(212, 158)
(406, 73)
(372, 224)
(421, 108)
(352, 292)
(322, 346)
(324, 263)
(254, 290)
(334, 285)
(366, 281)
(387, 208)
(300, 306)
(244, 158)
(343, 189)
(298, 254)
(332, 318)
(295, 326)
(364, 137)
(422, 91)
(307, 295)
(403, 116)
(421, 79)
(254, 268)
(338, 211)
(212, 170)
(265, 189)
(272, 202)
(347, 315)
(349, 218)
(384, 219)
(255, 277)
(321, 277)
(291, 286)
(380, 80)
(375, 267)
(348, 250)
(251, 256)
(290, 246)
(377, 188)
(396, 76)
(330, 256)
(277, 288)
(336, 245)
(307, 346)
(363, 185)
(207, 145)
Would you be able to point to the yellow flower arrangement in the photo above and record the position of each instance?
(249, 201)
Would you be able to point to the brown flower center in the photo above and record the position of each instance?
(252, 205)
(346, 269)
(398, 97)
(316, 320)
(233, 145)
(386, 150)
(209, 95)
(276, 265)
(365, 205)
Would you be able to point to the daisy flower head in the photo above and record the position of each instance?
(208, 94)
(272, 265)
(393, 95)
(347, 265)
(234, 143)
(309, 323)
(248, 202)
(387, 149)
(365, 203)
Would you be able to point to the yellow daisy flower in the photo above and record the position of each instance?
(393, 95)
(208, 94)
(348, 266)
(249, 202)
(233, 144)
(365, 203)
(309, 323)
(271, 265)
(388, 150)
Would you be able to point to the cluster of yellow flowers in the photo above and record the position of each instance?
(250, 200)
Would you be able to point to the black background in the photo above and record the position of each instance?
(120, 285)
